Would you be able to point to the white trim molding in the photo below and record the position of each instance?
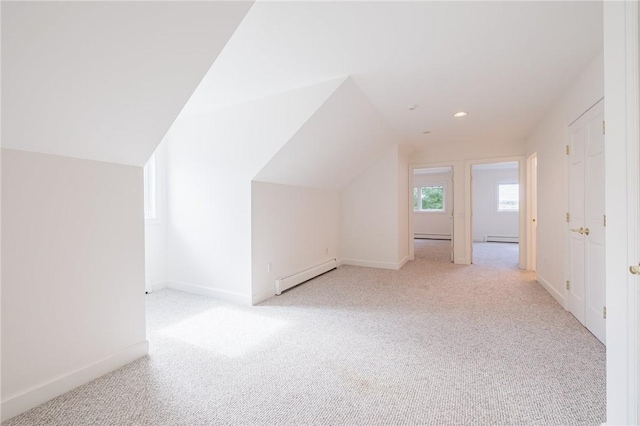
(560, 298)
(230, 296)
(46, 391)
(622, 110)
(374, 264)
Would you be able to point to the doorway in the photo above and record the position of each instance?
(495, 195)
(432, 213)
(532, 212)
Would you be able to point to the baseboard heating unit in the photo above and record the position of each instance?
(500, 239)
(286, 283)
(421, 236)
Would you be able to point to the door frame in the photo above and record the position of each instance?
(468, 214)
(532, 214)
(622, 109)
(412, 167)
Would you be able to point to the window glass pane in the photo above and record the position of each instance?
(433, 198)
(415, 199)
(508, 197)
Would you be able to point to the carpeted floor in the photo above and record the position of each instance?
(431, 344)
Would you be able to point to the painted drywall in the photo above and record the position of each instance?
(434, 222)
(459, 156)
(155, 228)
(404, 239)
(370, 215)
(548, 140)
(122, 72)
(211, 161)
(335, 145)
(72, 272)
(487, 220)
(292, 228)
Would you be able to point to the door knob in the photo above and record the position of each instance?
(579, 231)
(586, 231)
(635, 270)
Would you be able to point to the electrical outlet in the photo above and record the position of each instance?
(269, 267)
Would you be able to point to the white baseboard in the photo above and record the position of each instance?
(373, 264)
(230, 296)
(159, 286)
(39, 394)
(552, 291)
(260, 297)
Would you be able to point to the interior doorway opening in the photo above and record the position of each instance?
(431, 229)
(495, 206)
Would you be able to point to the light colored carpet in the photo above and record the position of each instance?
(431, 344)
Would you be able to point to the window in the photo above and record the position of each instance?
(150, 188)
(428, 198)
(508, 197)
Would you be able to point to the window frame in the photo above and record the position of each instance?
(497, 203)
(431, 185)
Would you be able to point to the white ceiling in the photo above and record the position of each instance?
(503, 62)
(105, 80)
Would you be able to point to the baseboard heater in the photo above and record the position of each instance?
(286, 283)
(422, 236)
(500, 239)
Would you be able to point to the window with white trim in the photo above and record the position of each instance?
(429, 198)
(150, 188)
(508, 197)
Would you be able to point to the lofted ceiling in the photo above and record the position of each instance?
(105, 80)
(503, 62)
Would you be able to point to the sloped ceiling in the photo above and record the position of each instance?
(503, 62)
(335, 145)
(105, 80)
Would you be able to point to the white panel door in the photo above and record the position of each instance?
(577, 249)
(587, 221)
(595, 223)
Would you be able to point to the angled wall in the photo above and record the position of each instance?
(105, 80)
(297, 198)
(212, 159)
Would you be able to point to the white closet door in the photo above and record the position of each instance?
(587, 221)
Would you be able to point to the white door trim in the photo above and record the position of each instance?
(531, 214)
(522, 180)
(621, 183)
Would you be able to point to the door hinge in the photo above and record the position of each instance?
(604, 312)
(603, 127)
(566, 150)
(604, 220)
(568, 285)
(568, 217)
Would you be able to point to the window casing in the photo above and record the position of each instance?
(508, 197)
(429, 198)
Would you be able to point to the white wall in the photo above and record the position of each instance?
(459, 156)
(548, 140)
(434, 222)
(292, 228)
(212, 159)
(487, 220)
(371, 215)
(155, 229)
(404, 239)
(73, 274)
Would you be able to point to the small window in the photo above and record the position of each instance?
(150, 188)
(428, 198)
(508, 197)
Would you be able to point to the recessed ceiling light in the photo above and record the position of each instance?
(412, 107)
(459, 114)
